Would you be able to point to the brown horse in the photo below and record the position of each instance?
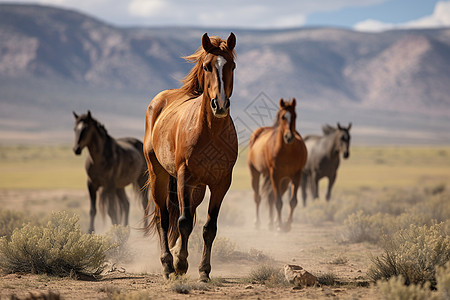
(279, 155)
(110, 166)
(190, 143)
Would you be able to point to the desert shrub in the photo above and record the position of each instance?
(328, 279)
(433, 208)
(395, 289)
(413, 253)
(120, 251)
(267, 274)
(59, 248)
(223, 248)
(317, 212)
(10, 220)
(361, 227)
(443, 281)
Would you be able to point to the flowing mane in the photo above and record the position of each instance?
(193, 82)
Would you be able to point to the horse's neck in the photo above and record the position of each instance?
(96, 146)
(332, 145)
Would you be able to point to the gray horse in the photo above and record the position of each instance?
(323, 158)
(110, 166)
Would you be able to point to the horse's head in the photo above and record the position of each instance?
(83, 131)
(218, 68)
(344, 139)
(286, 119)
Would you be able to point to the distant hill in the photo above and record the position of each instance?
(52, 61)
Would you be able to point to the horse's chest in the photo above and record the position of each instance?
(211, 161)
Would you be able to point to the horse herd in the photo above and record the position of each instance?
(190, 143)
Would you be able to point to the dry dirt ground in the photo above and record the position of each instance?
(320, 249)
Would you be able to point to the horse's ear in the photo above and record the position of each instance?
(282, 104)
(206, 42)
(294, 102)
(231, 42)
(339, 126)
(89, 115)
(75, 115)
(349, 126)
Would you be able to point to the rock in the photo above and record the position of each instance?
(298, 276)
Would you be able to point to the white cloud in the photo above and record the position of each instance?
(146, 8)
(439, 18)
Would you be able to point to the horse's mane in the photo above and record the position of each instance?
(328, 129)
(193, 82)
(107, 150)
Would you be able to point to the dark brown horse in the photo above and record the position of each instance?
(110, 166)
(279, 155)
(190, 143)
(323, 158)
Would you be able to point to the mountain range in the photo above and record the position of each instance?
(394, 86)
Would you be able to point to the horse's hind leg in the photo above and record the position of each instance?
(257, 197)
(304, 181)
(210, 228)
(93, 197)
(159, 182)
(124, 204)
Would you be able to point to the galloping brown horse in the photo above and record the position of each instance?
(279, 155)
(190, 143)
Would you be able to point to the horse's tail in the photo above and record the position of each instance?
(142, 189)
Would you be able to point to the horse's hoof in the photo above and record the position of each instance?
(204, 277)
(181, 266)
(257, 224)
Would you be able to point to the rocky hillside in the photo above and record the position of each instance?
(68, 60)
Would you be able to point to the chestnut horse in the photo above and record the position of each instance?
(279, 155)
(190, 143)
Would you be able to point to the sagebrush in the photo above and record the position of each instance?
(58, 248)
(414, 253)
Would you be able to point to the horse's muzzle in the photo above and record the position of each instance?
(346, 154)
(288, 138)
(77, 150)
(220, 112)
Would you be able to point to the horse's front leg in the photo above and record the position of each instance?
(93, 197)
(275, 180)
(257, 197)
(210, 229)
(185, 188)
(293, 201)
(331, 180)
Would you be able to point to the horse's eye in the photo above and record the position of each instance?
(234, 66)
(207, 68)
(283, 117)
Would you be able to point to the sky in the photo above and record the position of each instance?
(363, 15)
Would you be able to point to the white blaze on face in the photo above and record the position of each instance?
(220, 62)
(288, 117)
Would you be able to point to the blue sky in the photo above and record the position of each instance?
(366, 15)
